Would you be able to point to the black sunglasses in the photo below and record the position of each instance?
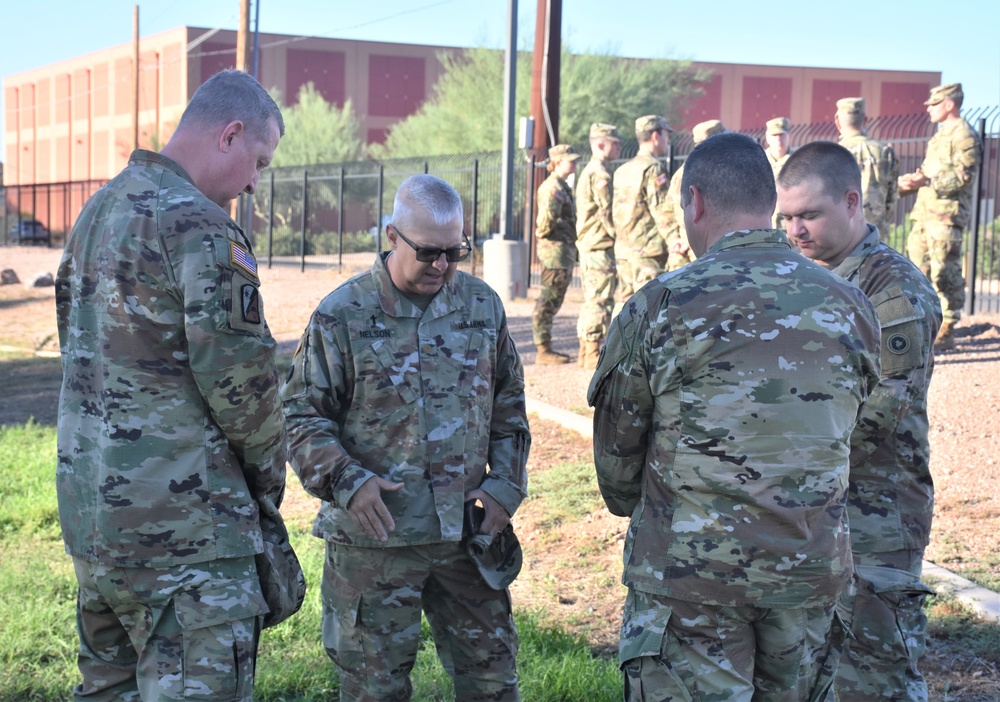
(426, 254)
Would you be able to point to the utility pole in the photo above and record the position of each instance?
(509, 100)
(135, 77)
(545, 69)
(243, 38)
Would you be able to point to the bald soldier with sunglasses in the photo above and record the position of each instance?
(405, 401)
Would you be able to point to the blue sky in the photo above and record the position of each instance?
(879, 34)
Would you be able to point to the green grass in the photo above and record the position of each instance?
(570, 492)
(38, 592)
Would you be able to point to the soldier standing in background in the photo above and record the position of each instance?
(642, 212)
(680, 251)
(555, 230)
(777, 137)
(595, 242)
(405, 402)
(170, 430)
(723, 403)
(890, 499)
(877, 161)
(944, 184)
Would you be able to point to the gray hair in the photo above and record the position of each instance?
(432, 195)
(232, 95)
(733, 175)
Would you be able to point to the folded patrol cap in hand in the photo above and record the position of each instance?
(498, 559)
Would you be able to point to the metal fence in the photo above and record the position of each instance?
(335, 215)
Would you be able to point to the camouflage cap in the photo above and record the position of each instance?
(599, 130)
(498, 559)
(851, 106)
(652, 123)
(945, 92)
(562, 152)
(778, 125)
(703, 130)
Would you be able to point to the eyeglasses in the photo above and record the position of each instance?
(426, 254)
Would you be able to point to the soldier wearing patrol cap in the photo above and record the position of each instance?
(944, 184)
(890, 497)
(170, 431)
(680, 250)
(555, 230)
(595, 242)
(877, 161)
(777, 136)
(642, 210)
(405, 403)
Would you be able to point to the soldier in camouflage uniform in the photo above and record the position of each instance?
(595, 242)
(170, 429)
(642, 211)
(877, 161)
(555, 229)
(944, 184)
(891, 493)
(777, 136)
(405, 386)
(724, 404)
(680, 251)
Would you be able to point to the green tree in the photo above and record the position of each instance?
(318, 132)
(465, 113)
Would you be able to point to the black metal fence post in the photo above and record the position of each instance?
(378, 226)
(305, 216)
(970, 284)
(340, 219)
(270, 220)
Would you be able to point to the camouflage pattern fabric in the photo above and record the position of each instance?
(942, 212)
(190, 631)
(891, 493)
(724, 402)
(776, 163)
(891, 498)
(555, 226)
(595, 241)
(372, 600)
(879, 172)
(169, 418)
(379, 387)
(676, 260)
(676, 650)
(555, 283)
(889, 626)
(644, 219)
(600, 281)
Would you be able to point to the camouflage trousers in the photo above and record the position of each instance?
(599, 276)
(889, 626)
(372, 600)
(676, 650)
(936, 249)
(634, 272)
(555, 283)
(186, 632)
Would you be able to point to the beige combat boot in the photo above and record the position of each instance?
(945, 340)
(590, 352)
(547, 357)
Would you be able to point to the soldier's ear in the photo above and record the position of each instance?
(853, 202)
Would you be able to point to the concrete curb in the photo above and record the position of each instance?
(985, 603)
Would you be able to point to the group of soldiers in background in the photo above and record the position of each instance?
(628, 228)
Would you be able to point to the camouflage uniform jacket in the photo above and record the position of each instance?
(555, 225)
(379, 388)
(891, 496)
(879, 171)
(953, 157)
(643, 212)
(724, 404)
(169, 419)
(595, 230)
(776, 163)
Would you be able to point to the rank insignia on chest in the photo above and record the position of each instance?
(251, 304)
(242, 257)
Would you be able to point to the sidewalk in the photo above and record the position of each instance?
(985, 603)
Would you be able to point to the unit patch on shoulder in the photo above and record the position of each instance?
(242, 257)
(251, 304)
(898, 343)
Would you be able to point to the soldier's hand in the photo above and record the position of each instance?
(496, 518)
(369, 511)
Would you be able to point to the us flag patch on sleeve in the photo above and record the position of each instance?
(243, 258)
(661, 180)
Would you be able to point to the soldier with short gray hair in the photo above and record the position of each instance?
(405, 407)
(724, 403)
(877, 161)
(171, 443)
